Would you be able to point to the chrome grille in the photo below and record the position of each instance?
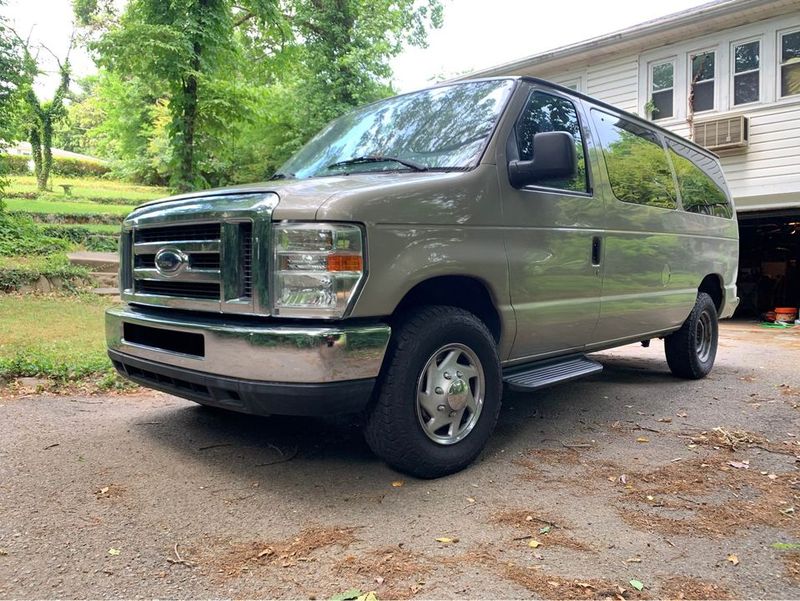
(196, 231)
(192, 280)
(246, 254)
(212, 254)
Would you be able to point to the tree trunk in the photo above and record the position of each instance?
(47, 151)
(186, 174)
(36, 152)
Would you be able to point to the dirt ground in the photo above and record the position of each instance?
(690, 488)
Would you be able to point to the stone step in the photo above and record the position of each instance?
(95, 261)
(106, 279)
(106, 291)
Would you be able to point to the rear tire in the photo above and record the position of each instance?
(692, 349)
(439, 394)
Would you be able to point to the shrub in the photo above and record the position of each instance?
(19, 235)
(65, 166)
(69, 167)
(15, 164)
(100, 243)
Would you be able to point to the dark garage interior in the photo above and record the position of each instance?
(769, 275)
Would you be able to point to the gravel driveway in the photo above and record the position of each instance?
(583, 488)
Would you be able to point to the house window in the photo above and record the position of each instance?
(790, 63)
(746, 78)
(701, 96)
(573, 84)
(662, 80)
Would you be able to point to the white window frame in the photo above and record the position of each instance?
(733, 73)
(574, 81)
(650, 66)
(779, 64)
(689, 74)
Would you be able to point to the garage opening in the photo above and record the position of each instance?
(769, 248)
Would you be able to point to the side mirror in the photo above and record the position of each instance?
(553, 157)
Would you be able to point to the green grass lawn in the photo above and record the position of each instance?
(88, 189)
(66, 207)
(59, 337)
(95, 228)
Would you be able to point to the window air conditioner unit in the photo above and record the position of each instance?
(721, 134)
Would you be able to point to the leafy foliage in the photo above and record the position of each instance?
(19, 235)
(209, 92)
(12, 76)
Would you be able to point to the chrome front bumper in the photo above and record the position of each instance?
(253, 352)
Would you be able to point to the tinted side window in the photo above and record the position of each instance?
(543, 113)
(700, 193)
(637, 164)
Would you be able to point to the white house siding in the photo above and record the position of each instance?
(615, 82)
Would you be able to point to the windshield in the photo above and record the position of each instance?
(442, 128)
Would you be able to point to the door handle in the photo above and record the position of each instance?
(596, 244)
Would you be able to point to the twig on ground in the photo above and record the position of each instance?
(178, 559)
(215, 446)
(283, 459)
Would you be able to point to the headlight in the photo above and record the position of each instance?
(317, 268)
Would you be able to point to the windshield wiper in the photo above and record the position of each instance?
(414, 166)
(281, 176)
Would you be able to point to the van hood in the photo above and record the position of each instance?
(302, 198)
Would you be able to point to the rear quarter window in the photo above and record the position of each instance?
(637, 164)
(700, 181)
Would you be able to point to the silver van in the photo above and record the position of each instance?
(421, 253)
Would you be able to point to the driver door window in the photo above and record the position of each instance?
(545, 113)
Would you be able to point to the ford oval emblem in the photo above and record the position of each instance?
(170, 262)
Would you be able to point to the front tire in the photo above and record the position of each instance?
(439, 394)
(692, 349)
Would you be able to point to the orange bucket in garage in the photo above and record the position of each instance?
(785, 314)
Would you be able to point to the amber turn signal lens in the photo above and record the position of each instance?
(345, 263)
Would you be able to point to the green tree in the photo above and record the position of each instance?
(39, 117)
(246, 83)
(13, 75)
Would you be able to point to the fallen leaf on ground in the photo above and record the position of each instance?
(534, 544)
(446, 540)
(545, 530)
(786, 546)
(370, 596)
(733, 559)
(740, 465)
(397, 483)
(643, 439)
(636, 584)
(348, 595)
(113, 551)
